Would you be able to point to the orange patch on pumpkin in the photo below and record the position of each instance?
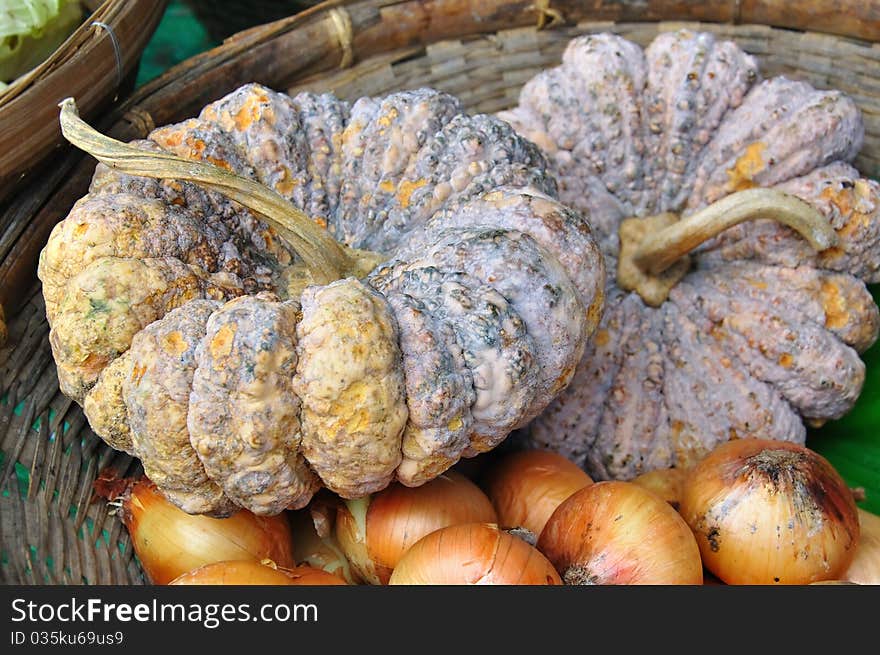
(250, 112)
(196, 146)
(173, 139)
(221, 343)
(174, 344)
(847, 201)
(743, 173)
(286, 184)
(406, 189)
(841, 198)
(834, 304)
(350, 132)
(220, 163)
(137, 373)
(385, 121)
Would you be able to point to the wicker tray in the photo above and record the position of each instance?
(482, 51)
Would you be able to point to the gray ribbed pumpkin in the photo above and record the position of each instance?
(236, 365)
(713, 330)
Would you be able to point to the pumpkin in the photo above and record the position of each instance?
(261, 324)
(738, 239)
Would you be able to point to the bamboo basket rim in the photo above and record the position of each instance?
(93, 62)
(339, 40)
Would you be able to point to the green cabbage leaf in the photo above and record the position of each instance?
(31, 30)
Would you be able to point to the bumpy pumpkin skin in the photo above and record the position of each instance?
(180, 322)
(764, 332)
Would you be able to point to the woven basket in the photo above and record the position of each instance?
(97, 64)
(222, 18)
(482, 51)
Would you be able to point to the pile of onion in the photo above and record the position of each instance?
(374, 532)
(752, 511)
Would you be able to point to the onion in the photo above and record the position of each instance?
(234, 572)
(375, 531)
(525, 487)
(251, 572)
(767, 512)
(619, 533)
(319, 552)
(473, 553)
(169, 542)
(666, 483)
(865, 567)
(307, 575)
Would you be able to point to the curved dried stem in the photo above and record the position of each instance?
(654, 250)
(662, 249)
(326, 259)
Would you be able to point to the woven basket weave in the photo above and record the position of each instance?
(97, 63)
(481, 51)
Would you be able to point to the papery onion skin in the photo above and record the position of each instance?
(666, 483)
(375, 532)
(527, 486)
(311, 549)
(169, 542)
(234, 572)
(770, 512)
(310, 576)
(473, 554)
(615, 532)
(865, 567)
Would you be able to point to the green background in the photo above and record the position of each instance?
(852, 444)
(180, 34)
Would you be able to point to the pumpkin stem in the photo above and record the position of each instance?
(325, 258)
(654, 250)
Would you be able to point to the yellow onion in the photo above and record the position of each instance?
(308, 575)
(251, 572)
(375, 531)
(770, 512)
(319, 552)
(234, 572)
(666, 483)
(619, 533)
(525, 487)
(865, 567)
(169, 542)
(471, 554)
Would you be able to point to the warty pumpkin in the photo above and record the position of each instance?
(249, 352)
(714, 328)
